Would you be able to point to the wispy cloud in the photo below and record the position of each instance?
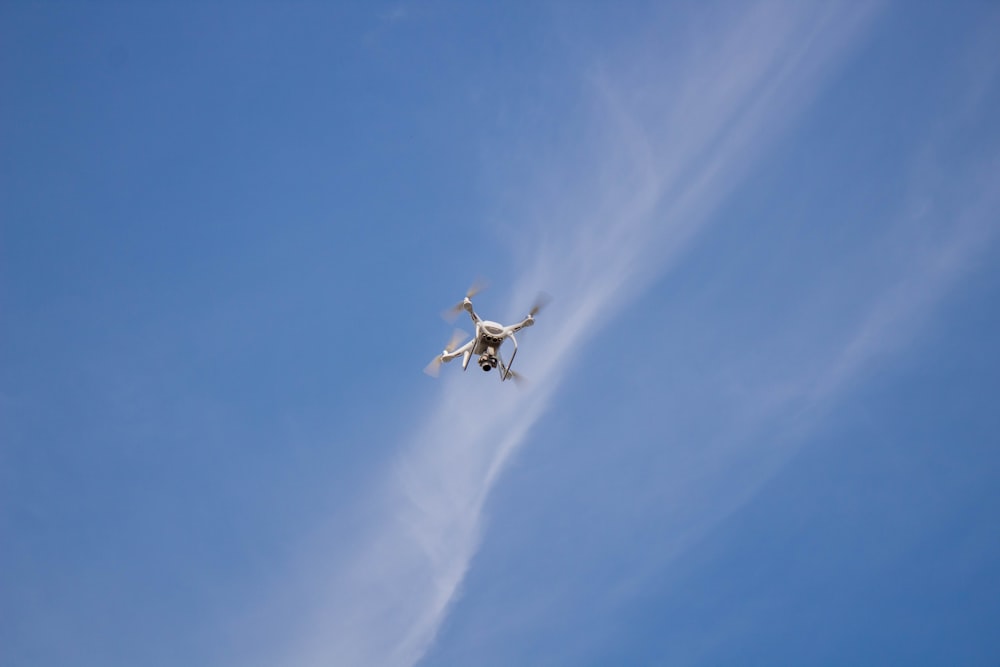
(395, 13)
(665, 152)
(936, 237)
(771, 389)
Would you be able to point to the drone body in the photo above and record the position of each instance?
(486, 341)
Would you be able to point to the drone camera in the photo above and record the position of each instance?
(487, 363)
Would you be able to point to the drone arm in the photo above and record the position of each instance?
(467, 304)
(448, 356)
(526, 322)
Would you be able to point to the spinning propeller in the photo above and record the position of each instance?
(541, 301)
(434, 367)
(518, 379)
(475, 289)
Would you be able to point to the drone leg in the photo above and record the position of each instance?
(506, 371)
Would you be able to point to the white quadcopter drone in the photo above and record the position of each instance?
(486, 342)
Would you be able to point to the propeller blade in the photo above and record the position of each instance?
(518, 379)
(541, 301)
(474, 289)
(434, 368)
(456, 338)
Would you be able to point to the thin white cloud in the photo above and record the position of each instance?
(945, 225)
(937, 238)
(395, 14)
(665, 153)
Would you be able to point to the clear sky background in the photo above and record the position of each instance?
(762, 422)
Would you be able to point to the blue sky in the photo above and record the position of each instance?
(761, 423)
